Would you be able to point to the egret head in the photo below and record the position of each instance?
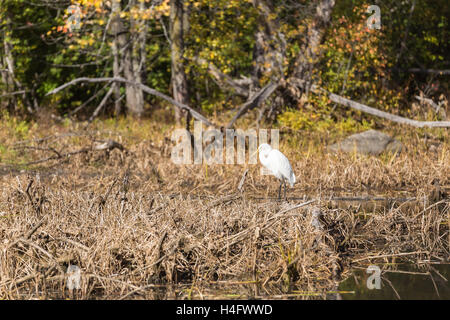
(264, 148)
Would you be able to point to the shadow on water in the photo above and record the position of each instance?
(399, 281)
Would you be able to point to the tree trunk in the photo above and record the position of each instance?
(270, 46)
(133, 95)
(138, 54)
(12, 83)
(116, 72)
(8, 73)
(310, 49)
(178, 28)
(268, 57)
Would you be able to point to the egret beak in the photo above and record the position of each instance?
(254, 152)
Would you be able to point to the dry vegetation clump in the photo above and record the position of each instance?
(139, 226)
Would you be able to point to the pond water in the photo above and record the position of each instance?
(398, 281)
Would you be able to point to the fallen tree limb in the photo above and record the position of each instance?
(106, 145)
(376, 112)
(144, 88)
(392, 117)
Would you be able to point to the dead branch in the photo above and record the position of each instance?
(257, 99)
(430, 71)
(390, 255)
(436, 106)
(376, 112)
(13, 93)
(39, 148)
(87, 101)
(392, 117)
(241, 183)
(107, 145)
(144, 88)
(240, 86)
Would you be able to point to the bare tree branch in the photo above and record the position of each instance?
(13, 93)
(430, 102)
(101, 105)
(95, 95)
(254, 101)
(430, 71)
(240, 86)
(146, 89)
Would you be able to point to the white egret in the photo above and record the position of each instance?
(278, 165)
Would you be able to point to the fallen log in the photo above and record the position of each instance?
(107, 145)
(382, 114)
(373, 111)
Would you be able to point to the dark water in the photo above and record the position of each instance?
(400, 281)
(397, 282)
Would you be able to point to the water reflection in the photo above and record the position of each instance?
(400, 281)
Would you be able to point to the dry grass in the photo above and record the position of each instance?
(139, 226)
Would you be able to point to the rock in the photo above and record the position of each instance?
(368, 142)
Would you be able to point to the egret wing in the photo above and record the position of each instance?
(279, 164)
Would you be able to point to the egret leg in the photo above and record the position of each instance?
(285, 198)
(279, 191)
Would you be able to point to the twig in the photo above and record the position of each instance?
(137, 290)
(77, 244)
(100, 106)
(224, 199)
(390, 255)
(27, 235)
(88, 101)
(434, 284)
(241, 183)
(40, 149)
(13, 93)
(391, 285)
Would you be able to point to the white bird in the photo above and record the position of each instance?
(278, 165)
